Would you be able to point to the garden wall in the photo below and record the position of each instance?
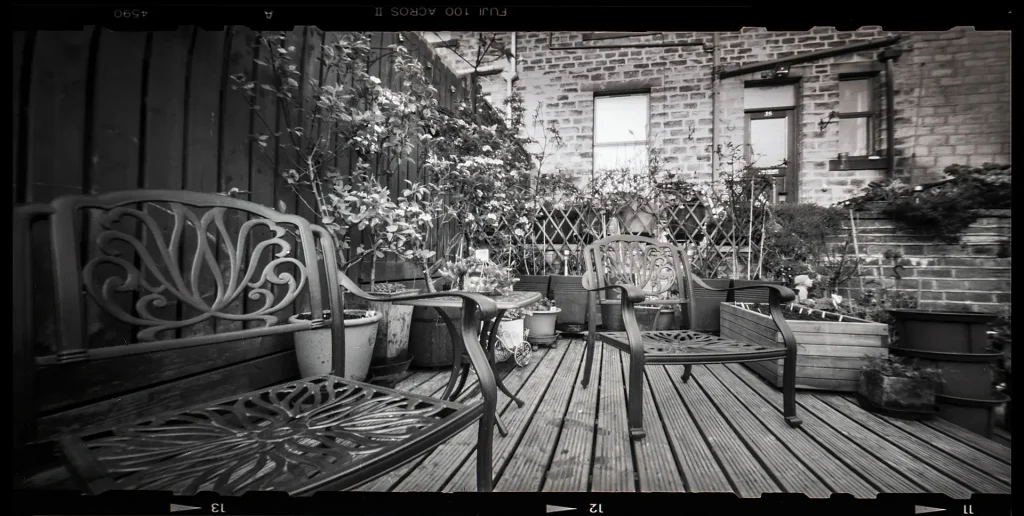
(971, 276)
(99, 111)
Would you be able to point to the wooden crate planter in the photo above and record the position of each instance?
(830, 352)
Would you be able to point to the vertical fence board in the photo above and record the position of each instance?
(116, 151)
(202, 143)
(235, 150)
(163, 166)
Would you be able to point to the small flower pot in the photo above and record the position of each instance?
(314, 349)
(907, 398)
(542, 323)
(392, 341)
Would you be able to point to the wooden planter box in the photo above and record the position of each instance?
(898, 394)
(830, 353)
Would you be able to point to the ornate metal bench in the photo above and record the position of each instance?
(152, 248)
(646, 271)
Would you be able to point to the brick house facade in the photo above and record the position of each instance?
(951, 97)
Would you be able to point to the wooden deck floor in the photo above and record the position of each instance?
(721, 432)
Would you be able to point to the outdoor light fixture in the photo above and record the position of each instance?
(782, 70)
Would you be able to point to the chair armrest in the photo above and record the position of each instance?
(488, 308)
(631, 293)
(785, 295)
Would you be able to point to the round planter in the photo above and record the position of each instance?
(392, 342)
(637, 220)
(976, 415)
(314, 348)
(430, 343)
(542, 323)
(389, 374)
(952, 332)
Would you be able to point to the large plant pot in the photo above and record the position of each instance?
(706, 306)
(956, 343)
(542, 323)
(908, 398)
(569, 295)
(429, 341)
(392, 343)
(686, 227)
(637, 220)
(314, 348)
(533, 283)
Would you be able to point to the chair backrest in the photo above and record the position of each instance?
(660, 268)
(146, 271)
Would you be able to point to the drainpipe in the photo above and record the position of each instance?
(887, 56)
(811, 56)
(511, 77)
(715, 56)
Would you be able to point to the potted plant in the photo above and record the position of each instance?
(319, 124)
(540, 321)
(391, 349)
(895, 387)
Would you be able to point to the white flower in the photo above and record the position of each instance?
(374, 80)
(486, 148)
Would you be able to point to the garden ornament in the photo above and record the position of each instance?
(802, 283)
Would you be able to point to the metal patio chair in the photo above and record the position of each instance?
(645, 271)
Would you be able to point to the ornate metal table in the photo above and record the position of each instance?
(488, 337)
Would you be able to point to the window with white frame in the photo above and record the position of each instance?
(620, 132)
(856, 113)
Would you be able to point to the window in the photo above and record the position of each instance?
(857, 116)
(620, 132)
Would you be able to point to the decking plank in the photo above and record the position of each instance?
(516, 419)
(613, 456)
(526, 470)
(746, 473)
(569, 470)
(987, 446)
(433, 387)
(820, 428)
(911, 443)
(444, 462)
(769, 448)
(656, 466)
(955, 448)
(930, 478)
(701, 472)
(834, 474)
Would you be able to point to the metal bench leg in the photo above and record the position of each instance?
(686, 373)
(789, 392)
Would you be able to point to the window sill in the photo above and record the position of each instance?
(858, 163)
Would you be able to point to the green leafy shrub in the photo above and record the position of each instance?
(797, 242)
(899, 367)
(947, 208)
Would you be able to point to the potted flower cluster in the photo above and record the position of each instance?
(315, 125)
(899, 388)
(540, 322)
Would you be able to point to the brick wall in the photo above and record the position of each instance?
(952, 97)
(971, 276)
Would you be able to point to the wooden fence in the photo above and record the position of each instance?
(99, 111)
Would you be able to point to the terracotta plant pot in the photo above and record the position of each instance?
(313, 348)
(392, 343)
(542, 323)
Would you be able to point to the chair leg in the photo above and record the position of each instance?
(686, 373)
(591, 331)
(635, 398)
(789, 391)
